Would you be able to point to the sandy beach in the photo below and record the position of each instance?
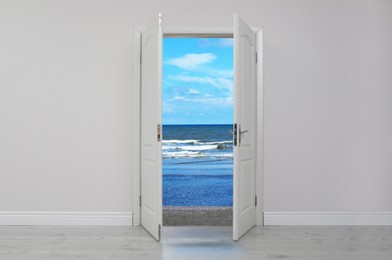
(197, 216)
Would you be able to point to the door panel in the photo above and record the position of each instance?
(244, 209)
(151, 147)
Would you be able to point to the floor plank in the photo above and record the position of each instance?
(115, 243)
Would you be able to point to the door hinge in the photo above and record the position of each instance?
(160, 20)
(256, 57)
(158, 132)
(159, 232)
(140, 201)
(235, 133)
(255, 201)
(141, 58)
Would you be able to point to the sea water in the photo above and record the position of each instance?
(197, 165)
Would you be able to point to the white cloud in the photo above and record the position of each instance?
(167, 108)
(192, 61)
(220, 83)
(220, 101)
(179, 98)
(213, 101)
(193, 91)
(222, 42)
(222, 73)
(226, 42)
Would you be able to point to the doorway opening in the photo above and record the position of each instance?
(247, 130)
(197, 139)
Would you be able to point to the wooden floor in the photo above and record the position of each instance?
(57, 242)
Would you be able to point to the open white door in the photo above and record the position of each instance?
(151, 147)
(244, 176)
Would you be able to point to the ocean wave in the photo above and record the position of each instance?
(190, 154)
(196, 147)
(181, 154)
(220, 142)
(191, 141)
(223, 155)
(174, 141)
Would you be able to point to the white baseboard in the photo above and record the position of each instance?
(66, 218)
(327, 218)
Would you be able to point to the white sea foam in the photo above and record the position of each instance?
(181, 154)
(191, 147)
(221, 142)
(190, 154)
(197, 147)
(174, 141)
(179, 141)
(225, 155)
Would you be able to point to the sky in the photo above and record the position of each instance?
(197, 81)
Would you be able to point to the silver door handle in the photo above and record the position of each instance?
(240, 134)
(243, 132)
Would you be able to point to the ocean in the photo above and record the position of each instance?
(197, 165)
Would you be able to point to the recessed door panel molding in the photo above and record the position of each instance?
(244, 174)
(151, 147)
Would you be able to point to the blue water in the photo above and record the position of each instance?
(197, 164)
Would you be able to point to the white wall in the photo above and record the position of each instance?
(66, 92)
(328, 106)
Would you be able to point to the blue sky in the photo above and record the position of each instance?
(197, 85)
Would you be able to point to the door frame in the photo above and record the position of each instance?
(194, 32)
